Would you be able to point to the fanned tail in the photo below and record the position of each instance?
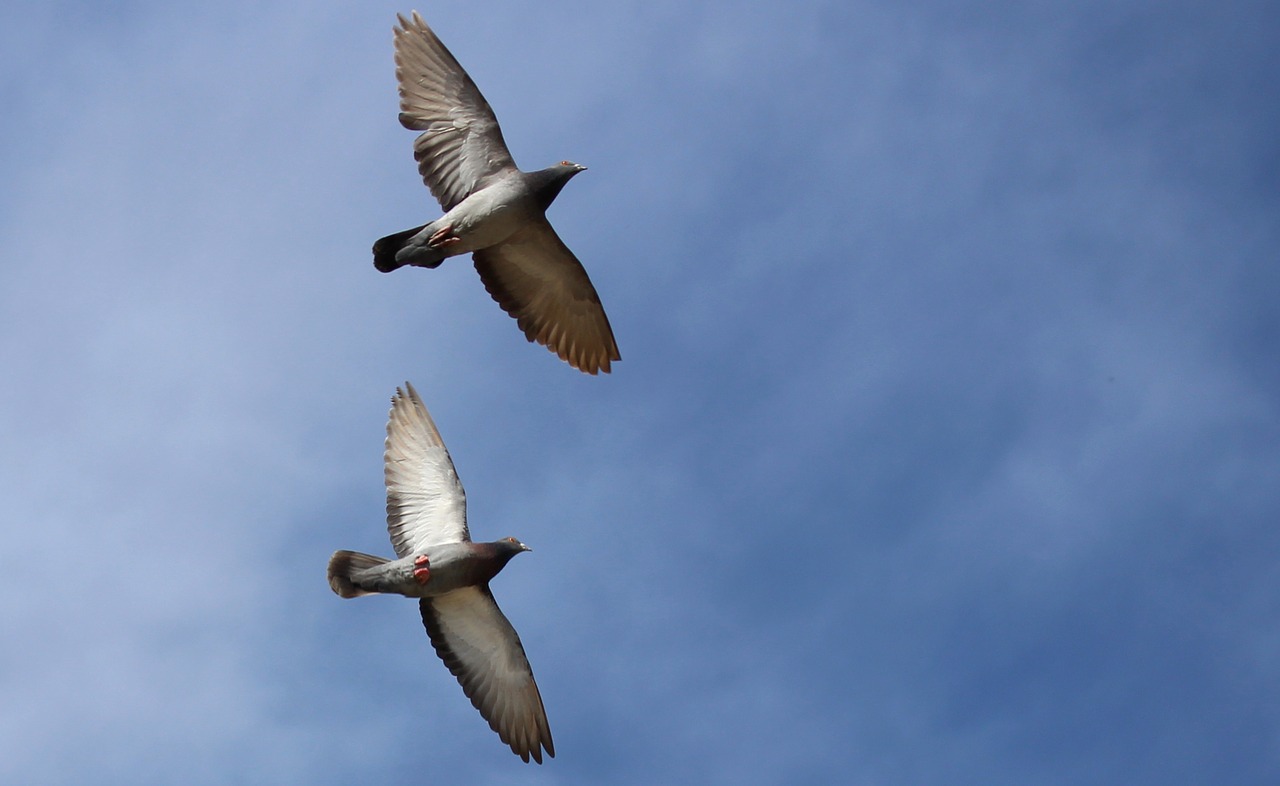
(387, 249)
(344, 564)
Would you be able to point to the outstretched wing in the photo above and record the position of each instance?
(475, 640)
(537, 280)
(425, 501)
(461, 144)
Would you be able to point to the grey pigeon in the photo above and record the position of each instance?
(492, 209)
(438, 563)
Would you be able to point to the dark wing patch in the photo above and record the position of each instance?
(537, 280)
(475, 640)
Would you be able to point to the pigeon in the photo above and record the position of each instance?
(449, 574)
(493, 210)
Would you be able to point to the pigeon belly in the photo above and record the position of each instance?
(452, 566)
(488, 217)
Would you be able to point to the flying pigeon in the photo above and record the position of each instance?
(493, 210)
(439, 564)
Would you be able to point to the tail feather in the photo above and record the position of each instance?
(386, 249)
(343, 564)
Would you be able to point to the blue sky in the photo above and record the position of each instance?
(944, 449)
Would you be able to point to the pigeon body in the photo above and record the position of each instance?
(485, 218)
(451, 566)
(439, 564)
(493, 210)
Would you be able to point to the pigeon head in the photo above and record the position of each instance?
(503, 550)
(546, 183)
(499, 553)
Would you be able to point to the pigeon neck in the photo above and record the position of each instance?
(497, 553)
(548, 183)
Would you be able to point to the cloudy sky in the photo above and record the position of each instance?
(945, 446)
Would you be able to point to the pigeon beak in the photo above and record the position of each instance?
(525, 548)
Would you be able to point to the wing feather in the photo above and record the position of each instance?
(426, 504)
(537, 280)
(474, 639)
(461, 144)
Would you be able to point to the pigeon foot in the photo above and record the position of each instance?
(422, 573)
(442, 237)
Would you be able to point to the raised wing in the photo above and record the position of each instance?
(461, 144)
(425, 501)
(475, 640)
(537, 280)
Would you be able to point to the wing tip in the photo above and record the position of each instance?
(415, 21)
